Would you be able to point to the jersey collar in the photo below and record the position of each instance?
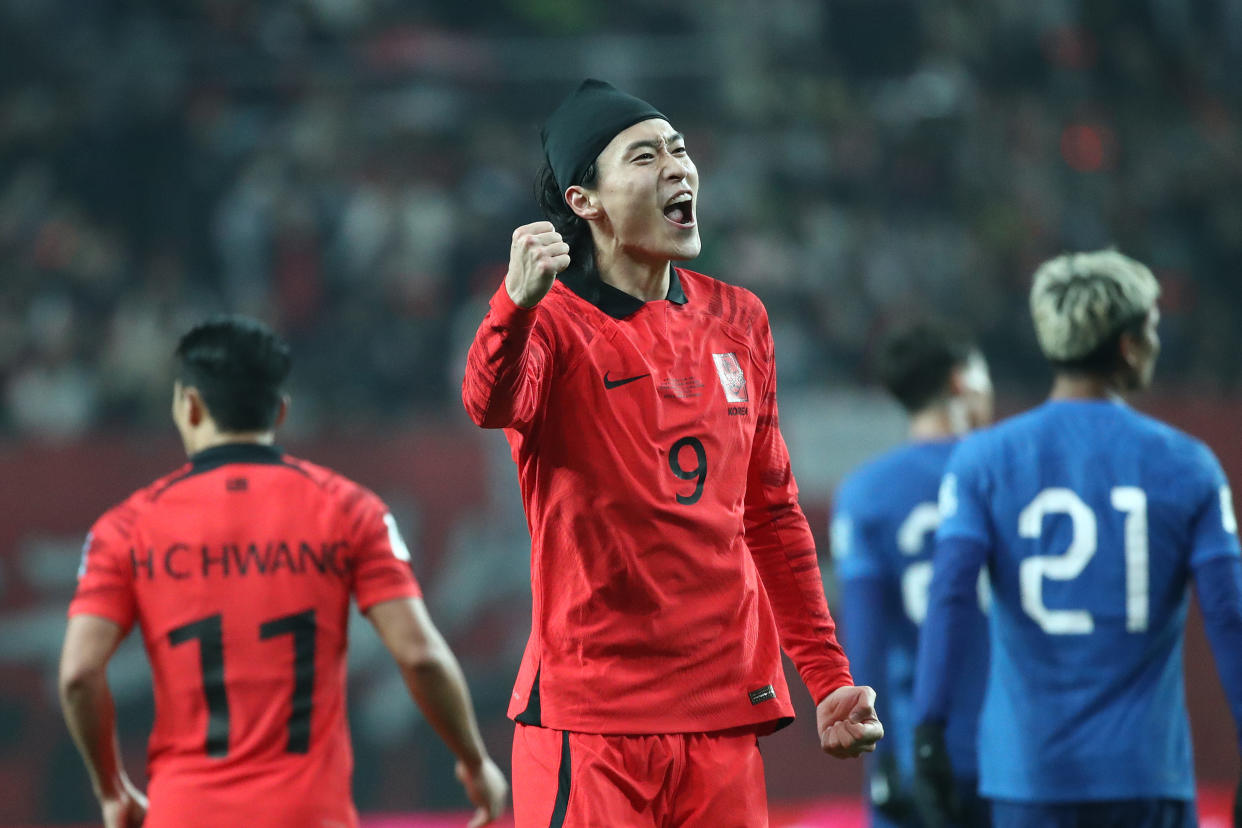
(222, 455)
(616, 303)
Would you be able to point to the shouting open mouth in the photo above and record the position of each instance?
(679, 211)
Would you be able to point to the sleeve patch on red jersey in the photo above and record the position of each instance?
(399, 550)
(86, 550)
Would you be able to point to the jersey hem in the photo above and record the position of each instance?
(761, 727)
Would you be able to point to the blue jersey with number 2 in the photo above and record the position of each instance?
(1093, 517)
(883, 528)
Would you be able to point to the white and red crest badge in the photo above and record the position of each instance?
(732, 380)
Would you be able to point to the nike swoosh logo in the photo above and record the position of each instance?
(610, 384)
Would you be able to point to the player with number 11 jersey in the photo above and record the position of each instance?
(238, 568)
(244, 621)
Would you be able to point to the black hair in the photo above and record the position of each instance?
(915, 361)
(572, 227)
(1104, 359)
(239, 366)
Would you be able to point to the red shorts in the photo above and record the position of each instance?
(683, 780)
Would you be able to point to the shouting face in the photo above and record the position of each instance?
(645, 196)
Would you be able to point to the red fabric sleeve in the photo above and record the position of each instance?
(783, 548)
(508, 365)
(106, 577)
(381, 561)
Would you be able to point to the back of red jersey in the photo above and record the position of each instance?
(238, 569)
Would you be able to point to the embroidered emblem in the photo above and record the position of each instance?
(732, 380)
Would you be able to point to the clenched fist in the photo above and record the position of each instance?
(537, 255)
(847, 723)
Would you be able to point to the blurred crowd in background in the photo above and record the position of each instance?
(350, 170)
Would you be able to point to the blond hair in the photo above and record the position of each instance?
(1079, 300)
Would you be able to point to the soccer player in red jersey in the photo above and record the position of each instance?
(670, 561)
(238, 568)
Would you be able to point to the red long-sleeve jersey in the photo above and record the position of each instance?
(667, 545)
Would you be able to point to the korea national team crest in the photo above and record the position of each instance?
(732, 380)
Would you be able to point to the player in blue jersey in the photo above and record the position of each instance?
(1091, 519)
(884, 520)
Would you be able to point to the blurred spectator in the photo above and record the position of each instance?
(341, 169)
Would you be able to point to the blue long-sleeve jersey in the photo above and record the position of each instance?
(1091, 520)
(883, 530)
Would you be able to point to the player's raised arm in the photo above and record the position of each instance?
(90, 714)
(509, 362)
(436, 684)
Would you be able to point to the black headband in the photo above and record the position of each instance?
(584, 123)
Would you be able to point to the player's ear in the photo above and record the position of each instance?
(956, 385)
(196, 409)
(583, 202)
(1131, 349)
(283, 411)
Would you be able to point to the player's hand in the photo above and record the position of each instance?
(125, 810)
(487, 789)
(935, 793)
(847, 722)
(889, 794)
(538, 253)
